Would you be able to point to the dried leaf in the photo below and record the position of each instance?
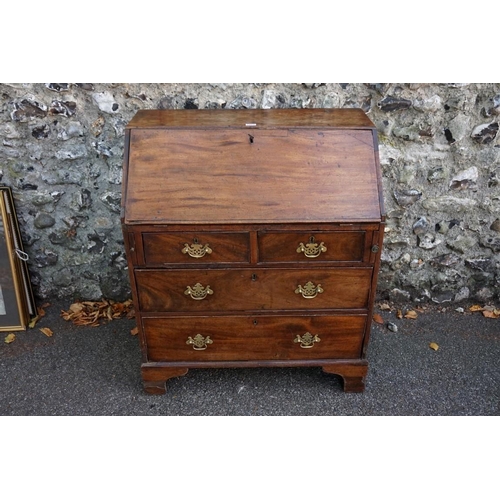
(434, 346)
(411, 315)
(10, 338)
(47, 331)
(76, 307)
(475, 308)
(33, 321)
(134, 331)
(399, 314)
(378, 319)
(490, 314)
(385, 307)
(65, 315)
(88, 313)
(40, 314)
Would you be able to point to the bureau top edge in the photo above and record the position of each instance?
(343, 118)
(250, 224)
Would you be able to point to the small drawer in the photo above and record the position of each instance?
(195, 248)
(246, 289)
(240, 338)
(328, 246)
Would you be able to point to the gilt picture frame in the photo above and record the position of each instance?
(17, 304)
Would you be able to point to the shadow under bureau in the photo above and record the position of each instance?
(253, 238)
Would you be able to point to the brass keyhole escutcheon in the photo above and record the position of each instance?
(198, 292)
(309, 290)
(311, 249)
(196, 249)
(199, 342)
(254, 277)
(307, 340)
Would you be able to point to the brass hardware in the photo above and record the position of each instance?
(307, 340)
(375, 248)
(309, 290)
(197, 292)
(311, 249)
(254, 277)
(199, 342)
(196, 250)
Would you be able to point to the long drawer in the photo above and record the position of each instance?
(253, 289)
(241, 338)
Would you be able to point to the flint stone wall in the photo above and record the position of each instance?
(62, 146)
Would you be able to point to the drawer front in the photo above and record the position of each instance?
(253, 289)
(239, 338)
(195, 248)
(340, 246)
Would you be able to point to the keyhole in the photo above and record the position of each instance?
(195, 241)
(254, 277)
(255, 322)
(251, 138)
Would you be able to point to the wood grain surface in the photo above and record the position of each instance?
(165, 248)
(241, 338)
(248, 289)
(240, 176)
(247, 119)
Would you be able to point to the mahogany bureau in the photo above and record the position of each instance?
(253, 239)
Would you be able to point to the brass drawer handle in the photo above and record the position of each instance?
(307, 340)
(199, 342)
(196, 250)
(309, 290)
(311, 249)
(197, 292)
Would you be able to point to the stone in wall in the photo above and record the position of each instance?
(485, 133)
(27, 109)
(466, 179)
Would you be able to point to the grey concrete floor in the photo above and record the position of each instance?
(96, 371)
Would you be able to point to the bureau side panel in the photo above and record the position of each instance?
(131, 246)
(378, 237)
(126, 151)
